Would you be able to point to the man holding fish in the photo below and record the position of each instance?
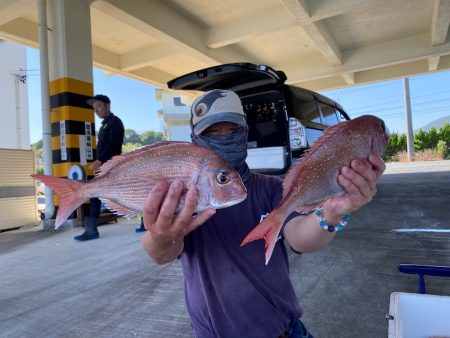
(230, 290)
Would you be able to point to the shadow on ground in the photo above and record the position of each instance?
(52, 286)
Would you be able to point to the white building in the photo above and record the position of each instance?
(14, 128)
(175, 115)
(18, 199)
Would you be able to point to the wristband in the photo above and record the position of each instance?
(331, 228)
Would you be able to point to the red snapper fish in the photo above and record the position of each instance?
(313, 179)
(124, 182)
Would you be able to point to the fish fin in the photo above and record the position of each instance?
(118, 209)
(68, 190)
(290, 178)
(115, 160)
(268, 229)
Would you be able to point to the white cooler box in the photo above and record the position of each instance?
(266, 158)
(415, 315)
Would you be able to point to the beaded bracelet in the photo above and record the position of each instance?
(331, 228)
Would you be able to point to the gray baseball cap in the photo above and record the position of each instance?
(216, 106)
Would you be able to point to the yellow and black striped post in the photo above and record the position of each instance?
(73, 126)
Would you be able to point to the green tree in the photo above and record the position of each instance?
(402, 144)
(396, 144)
(444, 134)
(131, 136)
(151, 136)
(433, 138)
(37, 145)
(391, 150)
(420, 140)
(38, 148)
(127, 147)
(442, 149)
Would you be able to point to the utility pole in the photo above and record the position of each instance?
(409, 128)
(19, 78)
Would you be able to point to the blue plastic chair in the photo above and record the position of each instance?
(424, 270)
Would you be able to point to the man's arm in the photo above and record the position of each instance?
(166, 230)
(359, 182)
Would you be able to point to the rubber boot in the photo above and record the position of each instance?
(141, 227)
(90, 230)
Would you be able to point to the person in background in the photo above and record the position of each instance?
(109, 144)
(229, 291)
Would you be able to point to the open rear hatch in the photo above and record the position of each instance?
(260, 88)
(232, 76)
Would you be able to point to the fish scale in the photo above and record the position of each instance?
(125, 181)
(313, 179)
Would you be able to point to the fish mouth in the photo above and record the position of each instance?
(228, 203)
(379, 145)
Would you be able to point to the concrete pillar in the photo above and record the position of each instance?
(70, 75)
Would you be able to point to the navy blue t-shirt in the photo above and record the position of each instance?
(229, 290)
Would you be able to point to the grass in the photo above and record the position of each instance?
(423, 155)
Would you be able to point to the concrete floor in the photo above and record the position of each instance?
(52, 286)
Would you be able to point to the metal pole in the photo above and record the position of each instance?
(409, 128)
(45, 97)
(18, 123)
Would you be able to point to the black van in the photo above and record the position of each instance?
(283, 120)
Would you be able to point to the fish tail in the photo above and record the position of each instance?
(68, 190)
(268, 229)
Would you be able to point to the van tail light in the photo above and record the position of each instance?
(297, 134)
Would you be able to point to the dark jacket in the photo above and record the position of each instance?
(110, 138)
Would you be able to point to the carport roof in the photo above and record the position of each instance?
(319, 44)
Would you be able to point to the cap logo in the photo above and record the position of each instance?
(207, 101)
(201, 109)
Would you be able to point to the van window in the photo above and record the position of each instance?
(329, 115)
(304, 107)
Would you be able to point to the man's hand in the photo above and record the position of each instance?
(95, 165)
(166, 230)
(359, 181)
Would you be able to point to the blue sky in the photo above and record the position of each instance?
(134, 101)
(430, 100)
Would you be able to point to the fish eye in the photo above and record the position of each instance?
(383, 127)
(223, 177)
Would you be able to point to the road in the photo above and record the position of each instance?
(52, 286)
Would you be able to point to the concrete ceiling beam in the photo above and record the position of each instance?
(22, 31)
(433, 63)
(324, 9)
(105, 59)
(13, 9)
(26, 32)
(365, 58)
(152, 75)
(318, 32)
(161, 22)
(146, 56)
(369, 76)
(440, 21)
(349, 78)
(275, 20)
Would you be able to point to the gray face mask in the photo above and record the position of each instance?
(231, 147)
